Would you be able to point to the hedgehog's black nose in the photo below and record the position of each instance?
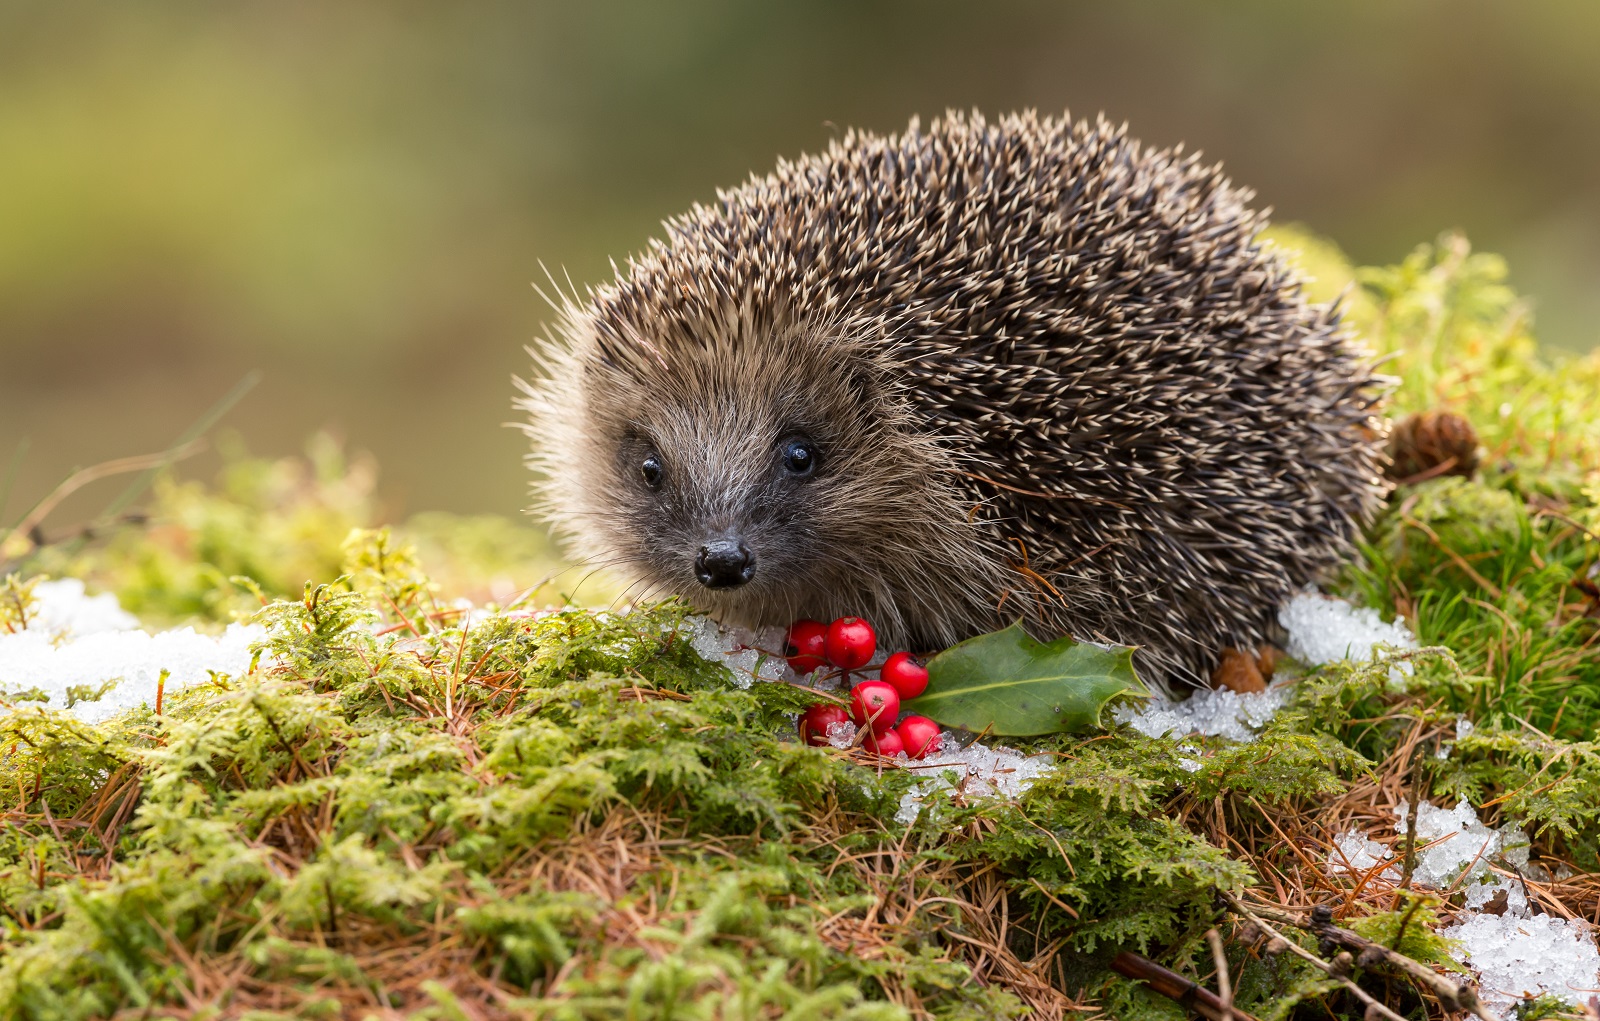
(724, 563)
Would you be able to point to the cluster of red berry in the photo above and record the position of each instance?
(848, 643)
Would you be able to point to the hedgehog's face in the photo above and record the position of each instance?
(724, 501)
(756, 485)
(723, 507)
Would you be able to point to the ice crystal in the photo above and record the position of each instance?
(1520, 957)
(980, 772)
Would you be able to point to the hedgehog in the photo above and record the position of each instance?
(959, 377)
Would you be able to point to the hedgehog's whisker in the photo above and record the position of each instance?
(650, 591)
(622, 596)
(599, 565)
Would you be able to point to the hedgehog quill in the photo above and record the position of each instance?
(958, 376)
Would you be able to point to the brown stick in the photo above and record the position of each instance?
(1414, 804)
(1175, 987)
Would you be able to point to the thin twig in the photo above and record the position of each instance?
(1224, 985)
(1409, 865)
(1357, 991)
(83, 476)
(1460, 561)
(1452, 995)
(89, 530)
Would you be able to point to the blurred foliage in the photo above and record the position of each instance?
(1462, 341)
(354, 198)
(1456, 337)
(264, 527)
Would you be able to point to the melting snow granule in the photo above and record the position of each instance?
(1353, 852)
(1217, 712)
(981, 772)
(1325, 630)
(738, 650)
(1517, 957)
(1458, 843)
(82, 641)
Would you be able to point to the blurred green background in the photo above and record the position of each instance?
(355, 197)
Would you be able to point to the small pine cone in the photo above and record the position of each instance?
(1430, 444)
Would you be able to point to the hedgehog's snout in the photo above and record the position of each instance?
(724, 562)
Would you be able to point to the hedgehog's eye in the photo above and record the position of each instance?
(650, 471)
(799, 457)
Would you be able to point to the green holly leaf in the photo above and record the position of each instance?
(1013, 685)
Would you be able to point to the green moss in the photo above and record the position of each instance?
(16, 602)
(577, 808)
(359, 784)
(213, 553)
(1411, 929)
(1500, 579)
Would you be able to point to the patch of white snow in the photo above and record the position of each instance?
(980, 772)
(841, 735)
(1211, 712)
(78, 641)
(1515, 952)
(134, 659)
(1323, 629)
(1519, 957)
(63, 609)
(1353, 852)
(1458, 844)
(1485, 892)
(741, 651)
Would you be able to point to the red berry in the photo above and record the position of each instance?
(886, 743)
(909, 677)
(806, 650)
(851, 643)
(814, 722)
(920, 736)
(876, 702)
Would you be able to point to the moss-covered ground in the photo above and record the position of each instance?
(574, 816)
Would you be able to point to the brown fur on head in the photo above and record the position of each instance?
(1048, 373)
(874, 528)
